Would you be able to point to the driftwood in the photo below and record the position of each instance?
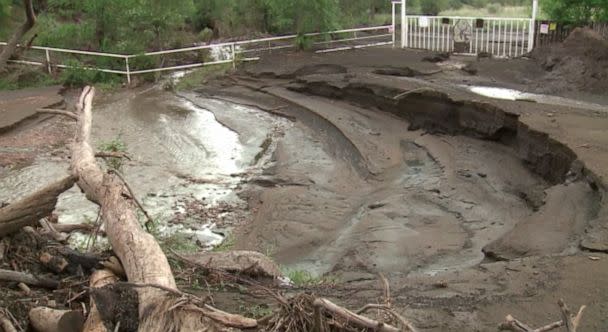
(28, 279)
(99, 279)
(45, 319)
(50, 231)
(12, 44)
(141, 256)
(570, 322)
(249, 263)
(30, 209)
(5, 322)
(69, 228)
(352, 317)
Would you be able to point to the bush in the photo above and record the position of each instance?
(206, 35)
(493, 8)
(303, 42)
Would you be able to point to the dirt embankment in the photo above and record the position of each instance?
(579, 63)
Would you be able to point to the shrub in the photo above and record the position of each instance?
(493, 8)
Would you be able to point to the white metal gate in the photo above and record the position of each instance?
(502, 37)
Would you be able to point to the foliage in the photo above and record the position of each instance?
(115, 145)
(226, 245)
(493, 8)
(302, 16)
(198, 76)
(5, 11)
(23, 77)
(304, 278)
(303, 42)
(576, 11)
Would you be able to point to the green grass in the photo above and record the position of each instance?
(302, 278)
(226, 245)
(20, 77)
(179, 242)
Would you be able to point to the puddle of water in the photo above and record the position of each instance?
(510, 94)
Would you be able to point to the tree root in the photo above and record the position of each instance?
(570, 322)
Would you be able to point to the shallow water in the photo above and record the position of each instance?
(180, 153)
(510, 94)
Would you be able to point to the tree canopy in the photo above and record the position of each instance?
(576, 11)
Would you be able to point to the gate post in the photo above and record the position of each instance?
(403, 24)
(394, 24)
(532, 29)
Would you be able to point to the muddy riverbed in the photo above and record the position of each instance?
(472, 206)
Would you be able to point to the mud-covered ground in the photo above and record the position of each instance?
(351, 164)
(474, 207)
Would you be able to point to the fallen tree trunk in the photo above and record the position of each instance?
(141, 256)
(11, 46)
(30, 209)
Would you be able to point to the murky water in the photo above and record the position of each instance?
(510, 94)
(181, 153)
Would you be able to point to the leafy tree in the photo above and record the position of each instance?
(302, 16)
(5, 11)
(576, 11)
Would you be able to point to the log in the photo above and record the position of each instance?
(69, 228)
(28, 210)
(99, 279)
(352, 317)
(141, 256)
(45, 319)
(5, 323)
(28, 279)
(12, 44)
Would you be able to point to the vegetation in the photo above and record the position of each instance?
(115, 145)
(136, 26)
(304, 278)
(576, 11)
(226, 245)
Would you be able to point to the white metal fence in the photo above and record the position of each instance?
(502, 37)
(181, 59)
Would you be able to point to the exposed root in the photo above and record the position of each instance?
(570, 322)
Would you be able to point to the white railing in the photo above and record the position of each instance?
(499, 36)
(230, 50)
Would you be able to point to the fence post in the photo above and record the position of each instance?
(532, 30)
(48, 61)
(394, 25)
(128, 70)
(233, 56)
(403, 23)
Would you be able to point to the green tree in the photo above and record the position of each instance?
(576, 11)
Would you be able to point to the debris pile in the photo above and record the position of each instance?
(580, 63)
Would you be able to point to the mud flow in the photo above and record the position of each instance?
(339, 179)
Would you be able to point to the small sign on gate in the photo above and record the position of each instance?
(423, 22)
(544, 28)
